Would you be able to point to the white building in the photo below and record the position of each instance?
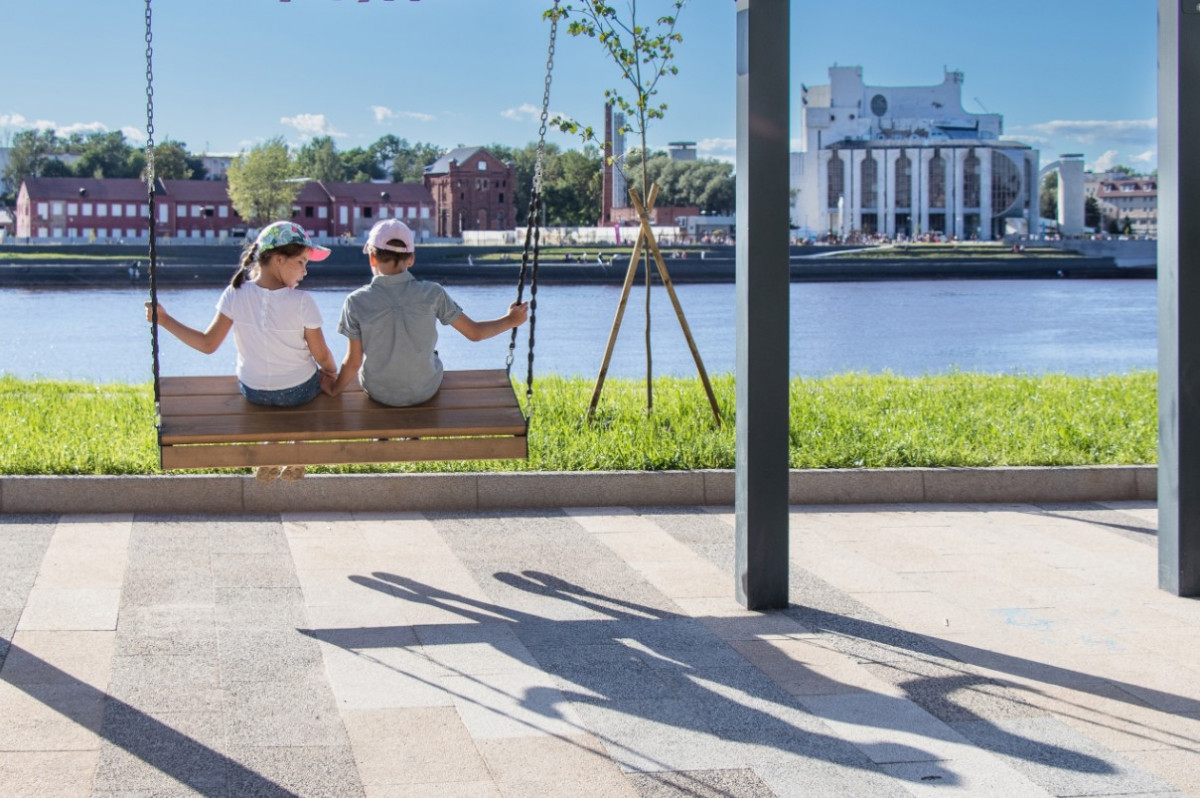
(907, 161)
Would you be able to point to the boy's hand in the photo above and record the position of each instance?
(518, 313)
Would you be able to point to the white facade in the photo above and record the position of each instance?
(907, 161)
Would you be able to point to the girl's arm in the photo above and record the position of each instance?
(320, 350)
(482, 330)
(206, 342)
(351, 363)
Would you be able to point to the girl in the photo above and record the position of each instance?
(282, 357)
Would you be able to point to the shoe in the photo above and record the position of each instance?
(267, 473)
(292, 473)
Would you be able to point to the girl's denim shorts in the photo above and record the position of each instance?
(285, 397)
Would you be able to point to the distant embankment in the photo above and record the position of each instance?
(115, 265)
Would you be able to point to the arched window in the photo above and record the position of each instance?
(937, 180)
(903, 181)
(1006, 183)
(870, 182)
(971, 180)
(837, 179)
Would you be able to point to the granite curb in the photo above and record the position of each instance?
(238, 493)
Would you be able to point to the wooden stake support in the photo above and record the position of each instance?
(646, 239)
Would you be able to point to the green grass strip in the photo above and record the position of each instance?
(845, 421)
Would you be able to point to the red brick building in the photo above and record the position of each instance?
(98, 209)
(472, 190)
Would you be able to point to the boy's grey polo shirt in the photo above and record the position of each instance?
(394, 318)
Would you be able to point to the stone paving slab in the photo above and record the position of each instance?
(594, 650)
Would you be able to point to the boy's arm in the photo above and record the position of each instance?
(351, 363)
(482, 330)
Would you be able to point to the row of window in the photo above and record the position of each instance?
(47, 209)
(1005, 188)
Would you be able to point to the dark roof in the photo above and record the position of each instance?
(211, 191)
(107, 189)
(442, 165)
(373, 192)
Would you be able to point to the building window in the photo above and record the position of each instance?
(87, 209)
(116, 209)
(482, 166)
(322, 212)
(1006, 183)
(308, 211)
(368, 212)
(937, 183)
(501, 196)
(971, 180)
(131, 210)
(56, 209)
(837, 177)
(44, 210)
(223, 212)
(903, 181)
(870, 184)
(72, 209)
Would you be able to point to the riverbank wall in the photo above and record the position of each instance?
(200, 265)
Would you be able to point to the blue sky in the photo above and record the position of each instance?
(1067, 75)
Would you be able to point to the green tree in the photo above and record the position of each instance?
(31, 153)
(409, 162)
(1048, 198)
(318, 159)
(359, 166)
(1092, 217)
(643, 53)
(259, 184)
(107, 155)
(1122, 169)
(171, 161)
(571, 186)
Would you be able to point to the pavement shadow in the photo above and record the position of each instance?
(189, 762)
(633, 670)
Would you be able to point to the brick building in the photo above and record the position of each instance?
(98, 209)
(472, 190)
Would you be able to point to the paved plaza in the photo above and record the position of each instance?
(991, 649)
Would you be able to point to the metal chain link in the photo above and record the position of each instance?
(152, 215)
(533, 228)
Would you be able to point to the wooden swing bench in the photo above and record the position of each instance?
(207, 423)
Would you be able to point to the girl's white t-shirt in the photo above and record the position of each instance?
(268, 330)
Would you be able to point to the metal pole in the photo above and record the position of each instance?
(761, 488)
(1178, 297)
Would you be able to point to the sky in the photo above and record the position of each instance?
(1068, 76)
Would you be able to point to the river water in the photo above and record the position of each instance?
(1081, 327)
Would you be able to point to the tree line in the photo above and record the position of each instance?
(262, 179)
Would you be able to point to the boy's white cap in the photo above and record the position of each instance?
(390, 230)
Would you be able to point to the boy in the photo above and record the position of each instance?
(390, 324)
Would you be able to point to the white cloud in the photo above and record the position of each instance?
(383, 113)
(1128, 131)
(133, 133)
(1144, 157)
(719, 149)
(312, 125)
(13, 120)
(522, 113)
(1105, 162)
(82, 127)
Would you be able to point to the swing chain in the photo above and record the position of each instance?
(150, 180)
(533, 230)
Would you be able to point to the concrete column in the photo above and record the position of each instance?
(955, 193)
(888, 211)
(1070, 196)
(762, 287)
(854, 196)
(1178, 297)
(985, 155)
(921, 191)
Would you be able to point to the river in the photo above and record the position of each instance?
(1081, 327)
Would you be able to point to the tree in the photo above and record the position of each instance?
(1049, 196)
(107, 155)
(409, 162)
(571, 186)
(171, 161)
(1121, 169)
(319, 160)
(29, 156)
(259, 184)
(359, 166)
(1092, 217)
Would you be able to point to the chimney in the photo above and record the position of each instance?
(606, 190)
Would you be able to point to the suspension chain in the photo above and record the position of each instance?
(152, 215)
(533, 222)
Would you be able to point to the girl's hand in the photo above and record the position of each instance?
(162, 313)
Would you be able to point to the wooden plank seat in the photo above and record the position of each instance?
(207, 423)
